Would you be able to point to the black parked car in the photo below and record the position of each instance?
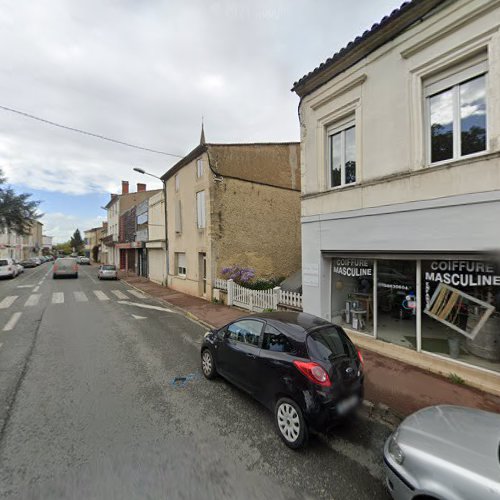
(303, 368)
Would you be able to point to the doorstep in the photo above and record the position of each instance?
(478, 378)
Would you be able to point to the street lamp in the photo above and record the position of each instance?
(142, 171)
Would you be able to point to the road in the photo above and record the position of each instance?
(89, 407)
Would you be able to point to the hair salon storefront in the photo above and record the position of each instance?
(418, 281)
(444, 305)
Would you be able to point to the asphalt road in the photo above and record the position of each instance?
(89, 408)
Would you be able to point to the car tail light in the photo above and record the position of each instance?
(54, 268)
(314, 372)
(75, 267)
(361, 360)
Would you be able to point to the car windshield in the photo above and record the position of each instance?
(66, 262)
(108, 268)
(329, 343)
(4, 263)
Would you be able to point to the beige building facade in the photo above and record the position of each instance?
(400, 175)
(233, 204)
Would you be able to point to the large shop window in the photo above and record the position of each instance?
(352, 294)
(396, 302)
(461, 313)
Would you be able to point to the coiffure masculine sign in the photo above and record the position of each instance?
(352, 267)
(461, 273)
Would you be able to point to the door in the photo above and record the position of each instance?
(202, 261)
(238, 355)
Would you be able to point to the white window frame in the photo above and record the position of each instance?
(180, 264)
(200, 210)
(177, 182)
(340, 127)
(199, 168)
(451, 79)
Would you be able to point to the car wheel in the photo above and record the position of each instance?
(54, 276)
(208, 364)
(76, 275)
(290, 423)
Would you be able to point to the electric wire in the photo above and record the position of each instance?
(85, 132)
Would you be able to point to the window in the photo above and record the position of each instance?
(275, 341)
(456, 111)
(176, 182)
(181, 264)
(342, 154)
(200, 209)
(246, 331)
(328, 343)
(199, 168)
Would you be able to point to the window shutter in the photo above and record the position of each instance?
(178, 217)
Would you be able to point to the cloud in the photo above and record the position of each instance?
(62, 226)
(145, 72)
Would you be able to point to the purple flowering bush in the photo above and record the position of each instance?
(240, 275)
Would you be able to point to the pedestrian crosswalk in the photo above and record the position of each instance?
(80, 296)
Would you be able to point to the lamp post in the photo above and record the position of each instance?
(142, 171)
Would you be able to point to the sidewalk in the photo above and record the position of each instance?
(401, 387)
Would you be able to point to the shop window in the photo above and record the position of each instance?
(352, 293)
(396, 302)
(456, 111)
(461, 311)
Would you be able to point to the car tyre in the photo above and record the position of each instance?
(290, 423)
(208, 364)
(76, 275)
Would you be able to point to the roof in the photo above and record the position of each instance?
(304, 321)
(380, 33)
(275, 164)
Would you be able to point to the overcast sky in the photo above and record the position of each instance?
(144, 72)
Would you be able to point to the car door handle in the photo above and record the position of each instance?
(251, 355)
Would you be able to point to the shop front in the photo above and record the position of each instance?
(446, 305)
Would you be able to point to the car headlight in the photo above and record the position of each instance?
(394, 450)
(206, 335)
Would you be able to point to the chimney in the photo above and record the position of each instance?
(124, 187)
(141, 187)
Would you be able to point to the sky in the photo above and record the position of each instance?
(146, 72)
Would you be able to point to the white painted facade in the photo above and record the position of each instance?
(401, 205)
(157, 257)
(113, 218)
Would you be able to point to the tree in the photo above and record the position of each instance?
(64, 248)
(17, 211)
(76, 241)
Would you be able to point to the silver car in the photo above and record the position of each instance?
(445, 453)
(107, 272)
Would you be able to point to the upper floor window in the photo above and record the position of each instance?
(176, 178)
(199, 168)
(200, 209)
(342, 154)
(456, 112)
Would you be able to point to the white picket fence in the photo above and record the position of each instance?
(258, 300)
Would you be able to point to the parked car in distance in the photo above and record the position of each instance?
(85, 261)
(36, 260)
(19, 267)
(8, 268)
(301, 367)
(28, 263)
(107, 272)
(445, 452)
(65, 267)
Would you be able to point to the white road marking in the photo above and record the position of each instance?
(12, 322)
(8, 301)
(36, 288)
(137, 294)
(101, 295)
(80, 297)
(32, 300)
(58, 298)
(145, 306)
(119, 294)
(138, 317)
(25, 286)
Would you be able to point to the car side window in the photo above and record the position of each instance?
(247, 331)
(276, 341)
